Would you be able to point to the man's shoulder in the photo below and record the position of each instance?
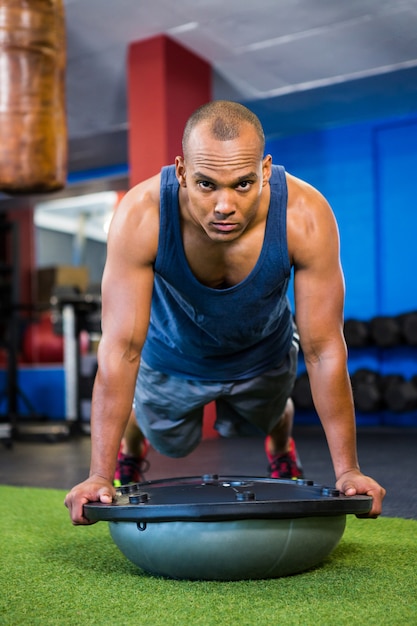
(139, 205)
(308, 214)
(147, 191)
(300, 191)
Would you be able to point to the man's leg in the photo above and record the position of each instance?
(133, 441)
(279, 439)
(169, 411)
(131, 460)
(280, 447)
(265, 403)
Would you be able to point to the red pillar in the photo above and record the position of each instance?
(23, 219)
(166, 83)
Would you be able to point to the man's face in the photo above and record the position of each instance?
(223, 181)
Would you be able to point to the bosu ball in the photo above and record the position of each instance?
(227, 528)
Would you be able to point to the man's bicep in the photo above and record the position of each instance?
(128, 274)
(126, 302)
(319, 299)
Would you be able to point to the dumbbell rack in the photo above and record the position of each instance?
(385, 389)
(391, 395)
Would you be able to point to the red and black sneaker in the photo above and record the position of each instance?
(286, 465)
(131, 469)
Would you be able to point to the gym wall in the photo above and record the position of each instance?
(367, 173)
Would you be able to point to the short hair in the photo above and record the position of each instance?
(225, 119)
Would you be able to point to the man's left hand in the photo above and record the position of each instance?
(354, 483)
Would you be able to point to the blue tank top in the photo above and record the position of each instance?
(198, 332)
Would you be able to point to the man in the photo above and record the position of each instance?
(195, 283)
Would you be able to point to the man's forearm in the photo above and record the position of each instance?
(332, 395)
(111, 408)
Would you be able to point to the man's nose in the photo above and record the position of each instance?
(224, 205)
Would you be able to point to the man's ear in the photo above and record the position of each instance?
(266, 169)
(180, 170)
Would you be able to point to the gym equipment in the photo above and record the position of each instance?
(356, 333)
(400, 395)
(408, 324)
(73, 313)
(227, 528)
(40, 344)
(366, 386)
(33, 131)
(301, 394)
(385, 331)
(10, 310)
(373, 392)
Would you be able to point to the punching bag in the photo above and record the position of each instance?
(33, 129)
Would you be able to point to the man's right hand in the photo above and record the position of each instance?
(94, 489)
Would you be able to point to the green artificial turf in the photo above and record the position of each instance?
(54, 573)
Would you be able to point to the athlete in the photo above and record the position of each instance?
(195, 309)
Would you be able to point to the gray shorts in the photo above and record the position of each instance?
(169, 409)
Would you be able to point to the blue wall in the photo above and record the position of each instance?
(368, 174)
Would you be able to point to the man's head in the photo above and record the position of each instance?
(224, 120)
(223, 174)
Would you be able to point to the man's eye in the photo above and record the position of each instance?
(244, 185)
(204, 184)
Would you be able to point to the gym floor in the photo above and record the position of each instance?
(387, 454)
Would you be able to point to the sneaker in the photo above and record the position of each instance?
(130, 469)
(284, 465)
